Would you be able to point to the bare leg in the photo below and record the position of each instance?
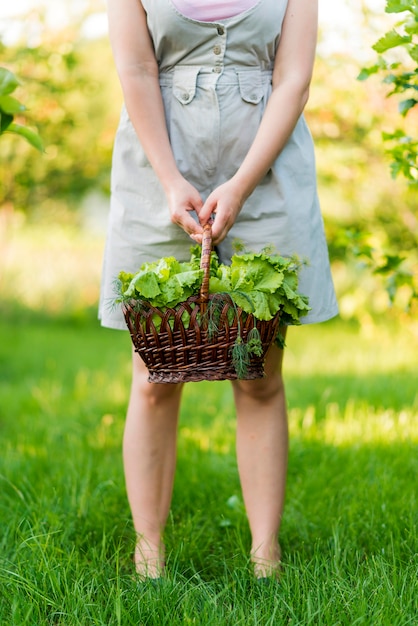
(262, 444)
(149, 452)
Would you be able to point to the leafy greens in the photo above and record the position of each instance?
(259, 283)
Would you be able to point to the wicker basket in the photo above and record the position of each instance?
(175, 353)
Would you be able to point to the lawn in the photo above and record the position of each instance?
(349, 533)
(350, 527)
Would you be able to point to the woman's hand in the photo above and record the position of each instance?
(223, 206)
(183, 198)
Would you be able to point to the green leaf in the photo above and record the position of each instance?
(31, 136)
(163, 283)
(392, 39)
(223, 273)
(165, 268)
(220, 283)
(5, 121)
(145, 284)
(368, 71)
(407, 105)
(171, 293)
(124, 280)
(259, 303)
(189, 278)
(254, 271)
(413, 53)
(397, 6)
(291, 311)
(391, 263)
(398, 134)
(8, 104)
(8, 81)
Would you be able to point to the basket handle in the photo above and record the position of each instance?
(205, 262)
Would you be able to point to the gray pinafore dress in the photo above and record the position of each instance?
(215, 81)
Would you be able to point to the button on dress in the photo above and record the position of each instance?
(215, 80)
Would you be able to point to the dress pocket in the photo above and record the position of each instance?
(251, 85)
(184, 83)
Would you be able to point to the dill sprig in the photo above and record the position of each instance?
(241, 351)
(212, 316)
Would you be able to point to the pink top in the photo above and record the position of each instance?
(212, 11)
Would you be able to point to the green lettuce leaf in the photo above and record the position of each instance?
(221, 281)
(145, 284)
(255, 271)
(255, 302)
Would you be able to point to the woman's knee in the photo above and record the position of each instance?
(264, 388)
(153, 393)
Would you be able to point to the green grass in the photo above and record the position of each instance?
(349, 532)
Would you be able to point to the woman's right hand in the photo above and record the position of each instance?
(183, 199)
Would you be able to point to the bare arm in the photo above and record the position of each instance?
(291, 79)
(138, 73)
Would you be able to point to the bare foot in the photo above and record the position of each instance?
(148, 559)
(267, 561)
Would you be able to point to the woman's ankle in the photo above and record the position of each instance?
(266, 560)
(149, 558)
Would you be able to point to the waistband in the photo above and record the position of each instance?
(252, 82)
(201, 75)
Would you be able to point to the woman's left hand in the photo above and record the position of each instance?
(222, 206)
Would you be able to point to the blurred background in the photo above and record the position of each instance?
(53, 205)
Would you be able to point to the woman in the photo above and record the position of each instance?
(212, 127)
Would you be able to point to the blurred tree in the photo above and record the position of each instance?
(402, 76)
(378, 234)
(398, 264)
(68, 81)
